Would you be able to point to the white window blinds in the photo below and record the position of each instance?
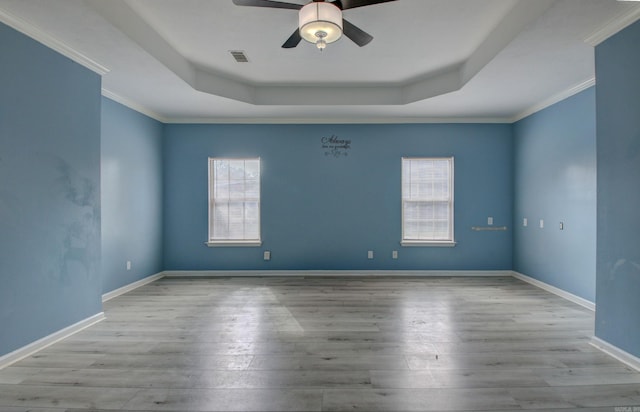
(234, 201)
(427, 200)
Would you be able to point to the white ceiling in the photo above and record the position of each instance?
(430, 60)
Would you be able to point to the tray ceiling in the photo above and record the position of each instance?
(430, 60)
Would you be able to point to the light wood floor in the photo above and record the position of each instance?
(328, 344)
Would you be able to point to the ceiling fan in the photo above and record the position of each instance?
(320, 22)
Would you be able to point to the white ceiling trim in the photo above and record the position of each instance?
(613, 26)
(330, 120)
(46, 39)
(352, 120)
(450, 79)
(556, 98)
(133, 105)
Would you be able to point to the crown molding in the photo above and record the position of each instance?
(133, 105)
(295, 120)
(613, 26)
(554, 99)
(46, 39)
(336, 120)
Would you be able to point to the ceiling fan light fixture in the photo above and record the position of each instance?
(320, 23)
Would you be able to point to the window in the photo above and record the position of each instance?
(234, 202)
(427, 201)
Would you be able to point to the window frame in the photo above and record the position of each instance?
(212, 242)
(428, 242)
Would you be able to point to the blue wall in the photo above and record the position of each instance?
(618, 130)
(323, 212)
(49, 191)
(131, 197)
(555, 180)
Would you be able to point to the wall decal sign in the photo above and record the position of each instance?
(335, 147)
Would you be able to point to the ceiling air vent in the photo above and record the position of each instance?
(239, 56)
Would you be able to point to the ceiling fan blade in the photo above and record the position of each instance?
(293, 40)
(267, 3)
(352, 4)
(359, 37)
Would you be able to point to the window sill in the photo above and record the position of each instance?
(234, 243)
(425, 243)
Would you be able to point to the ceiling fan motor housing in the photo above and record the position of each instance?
(320, 21)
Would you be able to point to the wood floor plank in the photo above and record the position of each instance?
(226, 400)
(64, 396)
(327, 344)
(418, 399)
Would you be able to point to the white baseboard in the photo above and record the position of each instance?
(615, 352)
(40, 344)
(556, 291)
(328, 273)
(131, 286)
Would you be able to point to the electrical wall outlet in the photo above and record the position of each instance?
(561, 225)
(525, 222)
(370, 254)
(541, 224)
(490, 221)
(394, 254)
(128, 265)
(267, 255)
